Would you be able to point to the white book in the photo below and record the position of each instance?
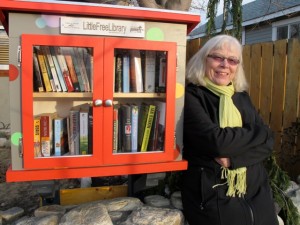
(58, 70)
(134, 127)
(136, 78)
(150, 59)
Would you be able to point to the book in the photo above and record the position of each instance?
(60, 136)
(48, 56)
(83, 129)
(126, 73)
(148, 126)
(68, 58)
(87, 56)
(36, 136)
(154, 131)
(64, 68)
(136, 79)
(115, 128)
(126, 127)
(48, 69)
(82, 68)
(134, 127)
(38, 80)
(143, 113)
(46, 133)
(90, 128)
(161, 107)
(58, 69)
(118, 72)
(149, 71)
(43, 70)
(162, 76)
(74, 131)
(76, 66)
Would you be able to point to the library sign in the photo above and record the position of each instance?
(107, 27)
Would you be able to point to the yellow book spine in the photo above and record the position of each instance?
(46, 79)
(148, 127)
(36, 137)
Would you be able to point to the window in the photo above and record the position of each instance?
(286, 29)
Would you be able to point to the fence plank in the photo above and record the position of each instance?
(192, 47)
(246, 62)
(266, 81)
(291, 103)
(278, 91)
(255, 74)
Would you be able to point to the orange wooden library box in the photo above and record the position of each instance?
(95, 90)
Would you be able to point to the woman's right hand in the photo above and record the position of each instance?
(225, 162)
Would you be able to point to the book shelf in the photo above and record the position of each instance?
(103, 92)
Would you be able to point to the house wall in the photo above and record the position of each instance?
(4, 101)
(257, 35)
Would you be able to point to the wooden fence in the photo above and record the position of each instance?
(273, 72)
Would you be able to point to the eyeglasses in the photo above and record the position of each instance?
(218, 58)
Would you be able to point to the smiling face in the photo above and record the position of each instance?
(221, 65)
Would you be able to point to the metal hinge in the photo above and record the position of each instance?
(19, 55)
(21, 147)
(175, 144)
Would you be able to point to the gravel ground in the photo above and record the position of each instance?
(22, 194)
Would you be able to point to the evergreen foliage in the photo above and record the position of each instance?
(280, 181)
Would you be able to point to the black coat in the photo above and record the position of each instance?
(246, 146)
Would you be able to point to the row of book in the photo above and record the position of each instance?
(139, 128)
(62, 69)
(140, 71)
(58, 136)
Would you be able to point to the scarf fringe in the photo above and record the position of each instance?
(236, 181)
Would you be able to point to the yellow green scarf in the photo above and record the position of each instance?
(229, 116)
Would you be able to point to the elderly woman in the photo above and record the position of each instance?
(225, 142)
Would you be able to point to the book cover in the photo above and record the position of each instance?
(74, 131)
(60, 136)
(134, 127)
(58, 69)
(148, 126)
(118, 72)
(46, 133)
(72, 72)
(90, 127)
(162, 77)
(46, 51)
(83, 129)
(43, 70)
(36, 136)
(143, 113)
(136, 78)
(82, 68)
(115, 128)
(64, 68)
(76, 66)
(126, 73)
(87, 56)
(48, 69)
(154, 131)
(149, 78)
(38, 80)
(161, 107)
(126, 127)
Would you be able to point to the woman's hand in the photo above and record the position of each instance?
(225, 162)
